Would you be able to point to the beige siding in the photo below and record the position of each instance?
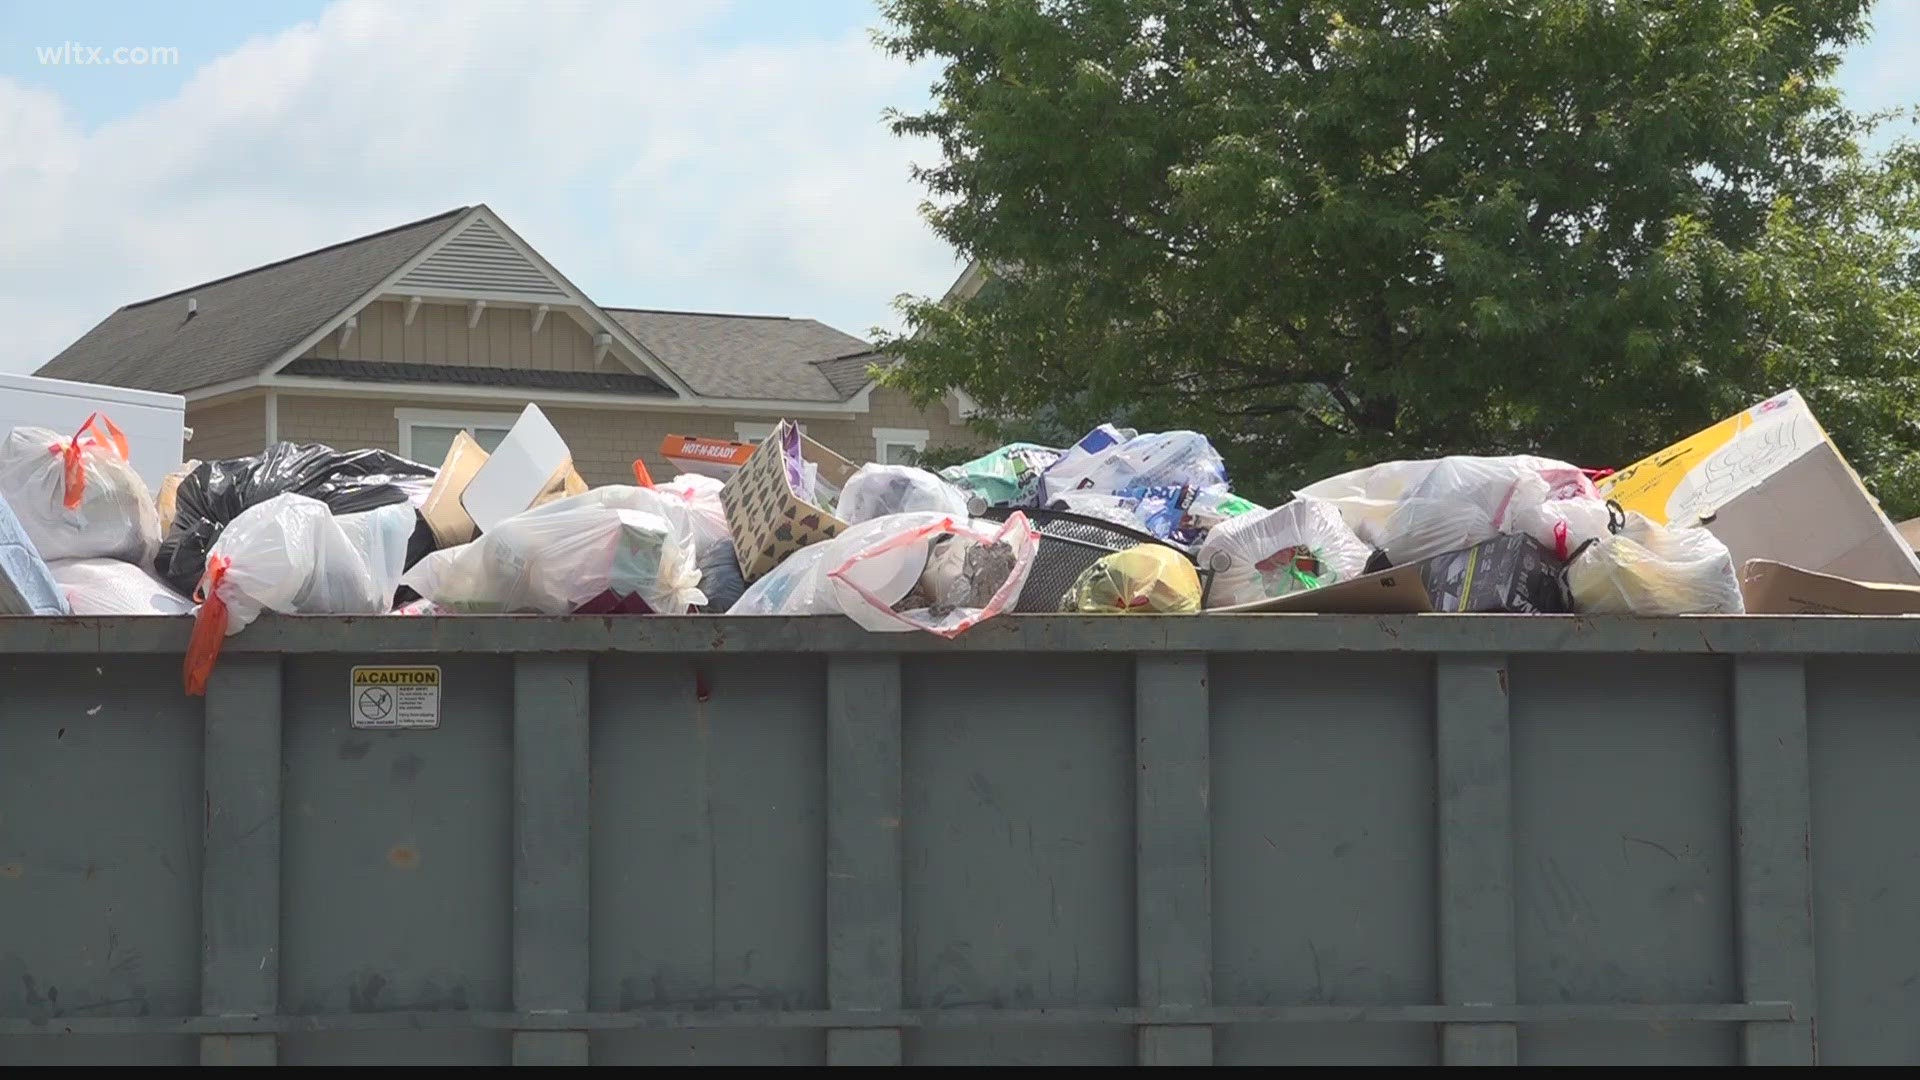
(606, 441)
(343, 423)
(503, 338)
(227, 429)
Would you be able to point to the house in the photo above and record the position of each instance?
(400, 339)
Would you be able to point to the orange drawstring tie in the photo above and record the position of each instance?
(97, 433)
(209, 628)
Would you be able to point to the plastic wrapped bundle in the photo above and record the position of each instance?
(1166, 459)
(1651, 569)
(1009, 476)
(78, 498)
(1302, 545)
(213, 495)
(1151, 579)
(609, 545)
(1464, 501)
(112, 587)
(292, 555)
(878, 490)
(27, 587)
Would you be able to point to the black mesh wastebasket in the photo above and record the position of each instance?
(1069, 543)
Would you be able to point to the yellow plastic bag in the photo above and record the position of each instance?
(1151, 579)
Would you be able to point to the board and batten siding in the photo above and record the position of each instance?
(236, 427)
(503, 338)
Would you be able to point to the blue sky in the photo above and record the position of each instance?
(716, 155)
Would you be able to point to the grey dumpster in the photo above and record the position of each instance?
(1057, 840)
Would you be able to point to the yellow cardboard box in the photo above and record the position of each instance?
(1770, 485)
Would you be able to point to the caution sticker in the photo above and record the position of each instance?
(395, 697)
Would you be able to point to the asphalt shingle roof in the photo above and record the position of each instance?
(244, 322)
(248, 320)
(748, 356)
(849, 373)
(618, 382)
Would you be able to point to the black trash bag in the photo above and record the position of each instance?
(720, 577)
(217, 491)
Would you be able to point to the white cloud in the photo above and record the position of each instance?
(653, 169)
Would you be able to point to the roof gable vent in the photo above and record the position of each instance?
(479, 259)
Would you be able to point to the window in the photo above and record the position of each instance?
(898, 446)
(755, 432)
(427, 434)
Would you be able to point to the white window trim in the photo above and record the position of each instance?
(914, 439)
(756, 431)
(408, 419)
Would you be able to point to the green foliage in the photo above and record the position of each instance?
(1329, 232)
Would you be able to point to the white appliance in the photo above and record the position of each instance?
(154, 423)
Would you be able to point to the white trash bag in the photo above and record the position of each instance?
(290, 554)
(699, 500)
(942, 577)
(799, 585)
(611, 545)
(113, 587)
(78, 498)
(1267, 553)
(878, 490)
(1651, 569)
(1463, 501)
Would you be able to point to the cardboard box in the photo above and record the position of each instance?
(1505, 574)
(766, 513)
(450, 522)
(1770, 485)
(718, 458)
(1513, 574)
(1772, 588)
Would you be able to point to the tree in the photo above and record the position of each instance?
(1330, 232)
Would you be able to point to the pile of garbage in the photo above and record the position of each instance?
(1756, 514)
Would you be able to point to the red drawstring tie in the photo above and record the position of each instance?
(209, 628)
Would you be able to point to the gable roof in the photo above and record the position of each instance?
(763, 357)
(245, 321)
(252, 323)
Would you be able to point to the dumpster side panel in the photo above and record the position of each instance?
(397, 868)
(1238, 839)
(100, 821)
(1018, 851)
(1866, 759)
(1623, 854)
(1323, 854)
(708, 844)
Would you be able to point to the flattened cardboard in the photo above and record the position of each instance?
(1770, 485)
(519, 471)
(450, 522)
(767, 517)
(1398, 591)
(1771, 588)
